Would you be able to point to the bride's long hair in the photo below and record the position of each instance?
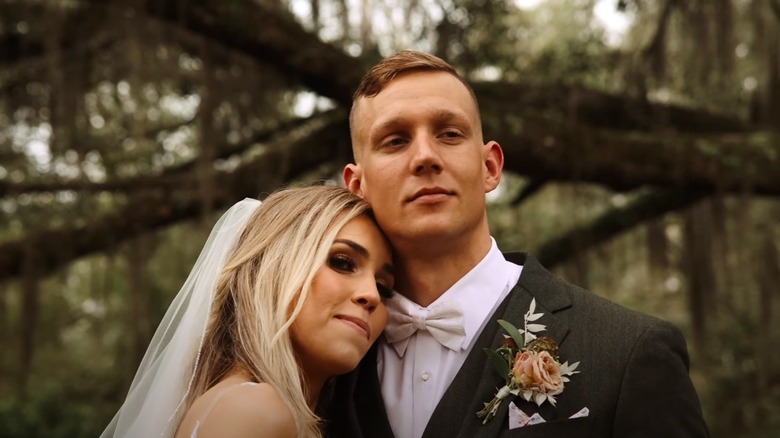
(261, 291)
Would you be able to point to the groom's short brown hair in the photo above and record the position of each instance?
(386, 70)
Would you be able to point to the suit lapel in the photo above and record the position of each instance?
(477, 381)
(550, 293)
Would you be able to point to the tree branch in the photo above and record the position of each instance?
(539, 149)
(174, 177)
(647, 206)
(530, 189)
(153, 210)
(265, 33)
(600, 109)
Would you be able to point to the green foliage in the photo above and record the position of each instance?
(742, 389)
(50, 414)
(85, 355)
(135, 100)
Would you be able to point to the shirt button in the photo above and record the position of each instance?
(425, 376)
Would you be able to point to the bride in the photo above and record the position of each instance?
(283, 297)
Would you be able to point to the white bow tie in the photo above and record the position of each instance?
(444, 322)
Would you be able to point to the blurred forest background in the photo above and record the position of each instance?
(643, 162)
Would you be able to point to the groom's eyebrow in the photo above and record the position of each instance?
(385, 128)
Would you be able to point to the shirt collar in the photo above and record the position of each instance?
(479, 291)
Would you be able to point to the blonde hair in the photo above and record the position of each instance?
(387, 70)
(263, 287)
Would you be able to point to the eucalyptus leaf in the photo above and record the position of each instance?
(534, 328)
(500, 364)
(513, 332)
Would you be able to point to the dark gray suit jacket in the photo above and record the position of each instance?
(633, 374)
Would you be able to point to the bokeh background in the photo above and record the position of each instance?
(641, 137)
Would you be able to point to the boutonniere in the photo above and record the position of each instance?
(532, 371)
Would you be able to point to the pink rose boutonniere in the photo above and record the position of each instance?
(531, 371)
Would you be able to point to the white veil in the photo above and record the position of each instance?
(161, 384)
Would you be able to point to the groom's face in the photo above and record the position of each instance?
(422, 164)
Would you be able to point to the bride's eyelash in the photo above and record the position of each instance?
(342, 263)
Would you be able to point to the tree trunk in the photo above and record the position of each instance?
(29, 321)
(768, 274)
(137, 300)
(698, 266)
(657, 249)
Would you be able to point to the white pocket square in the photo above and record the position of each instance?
(518, 418)
(581, 413)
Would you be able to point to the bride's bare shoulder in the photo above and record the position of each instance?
(243, 410)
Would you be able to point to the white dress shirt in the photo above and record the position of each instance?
(413, 383)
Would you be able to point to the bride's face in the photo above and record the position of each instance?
(344, 312)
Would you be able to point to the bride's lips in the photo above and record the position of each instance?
(357, 323)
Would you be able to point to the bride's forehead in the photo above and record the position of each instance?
(360, 228)
(365, 232)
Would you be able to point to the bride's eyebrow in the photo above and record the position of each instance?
(358, 248)
(363, 252)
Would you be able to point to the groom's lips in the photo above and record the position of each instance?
(430, 194)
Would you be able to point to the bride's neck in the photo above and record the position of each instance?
(239, 371)
(314, 387)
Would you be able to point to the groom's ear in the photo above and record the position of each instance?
(352, 178)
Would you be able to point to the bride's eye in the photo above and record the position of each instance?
(342, 263)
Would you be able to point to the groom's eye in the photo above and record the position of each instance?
(394, 141)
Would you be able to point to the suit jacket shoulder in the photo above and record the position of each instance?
(629, 362)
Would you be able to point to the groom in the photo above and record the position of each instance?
(421, 162)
